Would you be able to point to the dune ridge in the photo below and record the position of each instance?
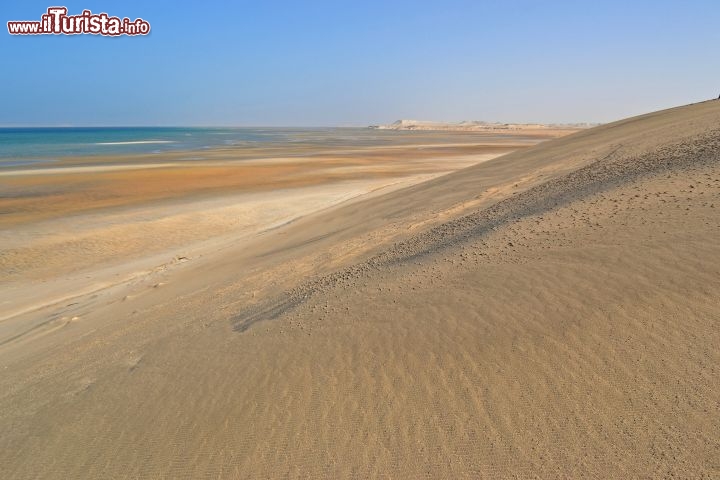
(604, 174)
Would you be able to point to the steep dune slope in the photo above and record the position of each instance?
(570, 330)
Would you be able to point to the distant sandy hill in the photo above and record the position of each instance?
(480, 126)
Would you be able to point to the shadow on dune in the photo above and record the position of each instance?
(268, 311)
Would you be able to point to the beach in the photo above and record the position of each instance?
(455, 308)
(88, 223)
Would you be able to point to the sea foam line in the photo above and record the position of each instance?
(142, 142)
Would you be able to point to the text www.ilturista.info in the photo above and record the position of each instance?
(57, 22)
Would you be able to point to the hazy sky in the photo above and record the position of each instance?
(316, 63)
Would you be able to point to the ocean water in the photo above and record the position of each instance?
(25, 146)
(30, 145)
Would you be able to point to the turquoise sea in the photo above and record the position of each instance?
(29, 145)
(25, 146)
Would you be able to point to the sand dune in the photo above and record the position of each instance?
(553, 130)
(550, 313)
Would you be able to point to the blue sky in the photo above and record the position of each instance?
(322, 63)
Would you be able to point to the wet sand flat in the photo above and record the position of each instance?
(83, 224)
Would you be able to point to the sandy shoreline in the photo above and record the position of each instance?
(96, 223)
